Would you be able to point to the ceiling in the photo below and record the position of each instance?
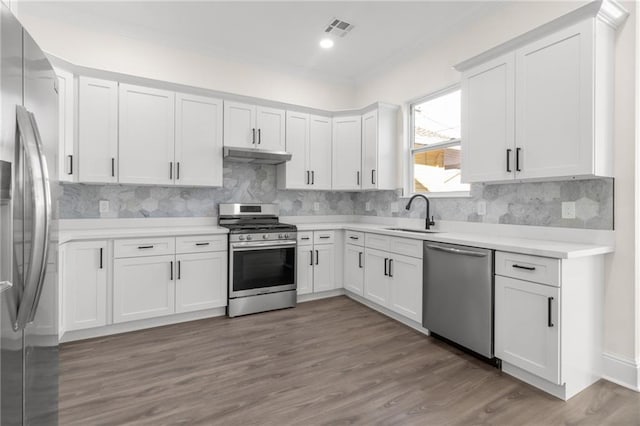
(282, 34)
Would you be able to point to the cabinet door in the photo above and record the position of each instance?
(554, 104)
(143, 287)
(201, 281)
(406, 286)
(146, 135)
(324, 271)
(376, 280)
(488, 120)
(354, 269)
(97, 130)
(198, 148)
(527, 326)
(304, 268)
(239, 125)
(369, 149)
(296, 170)
(320, 152)
(271, 129)
(85, 285)
(67, 170)
(346, 153)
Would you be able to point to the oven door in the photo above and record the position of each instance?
(261, 267)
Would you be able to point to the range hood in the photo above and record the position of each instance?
(255, 156)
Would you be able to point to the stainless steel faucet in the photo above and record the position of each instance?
(428, 223)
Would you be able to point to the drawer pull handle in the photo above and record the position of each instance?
(202, 244)
(526, 268)
(324, 237)
(304, 238)
(549, 320)
(144, 247)
(354, 238)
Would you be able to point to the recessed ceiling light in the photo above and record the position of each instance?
(326, 43)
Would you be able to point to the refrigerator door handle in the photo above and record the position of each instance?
(41, 197)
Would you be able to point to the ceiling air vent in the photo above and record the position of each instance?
(338, 28)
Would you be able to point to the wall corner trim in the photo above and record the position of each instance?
(621, 371)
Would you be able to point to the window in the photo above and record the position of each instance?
(435, 145)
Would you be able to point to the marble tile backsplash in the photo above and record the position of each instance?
(519, 203)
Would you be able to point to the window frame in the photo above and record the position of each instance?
(411, 151)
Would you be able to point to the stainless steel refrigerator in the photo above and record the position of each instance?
(28, 246)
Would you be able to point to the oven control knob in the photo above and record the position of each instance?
(286, 235)
(280, 236)
(241, 237)
(249, 238)
(264, 236)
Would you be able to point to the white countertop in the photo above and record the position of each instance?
(89, 230)
(141, 232)
(547, 248)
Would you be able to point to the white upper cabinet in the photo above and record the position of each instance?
(146, 135)
(309, 143)
(67, 160)
(320, 151)
(251, 126)
(488, 132)
(239, 125)
(347, 153)
(198, 141)
(379, 149)
(97, 130)
(294, 174)
(555, 104)
(270, 129)
(544, 109)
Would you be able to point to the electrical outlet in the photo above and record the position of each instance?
(316, 206)
(367, 205)
(482, 208)
(568, 210)
(394, 207)
(104, 206)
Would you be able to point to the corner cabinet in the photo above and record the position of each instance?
(309, 143)
(543, 110)
(254, 126)
(97, 130)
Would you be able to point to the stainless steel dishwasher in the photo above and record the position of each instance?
(458, 295)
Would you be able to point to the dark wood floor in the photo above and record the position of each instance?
(332, 361)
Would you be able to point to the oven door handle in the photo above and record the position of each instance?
(262, 245)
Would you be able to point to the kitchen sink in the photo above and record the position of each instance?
(421, 231)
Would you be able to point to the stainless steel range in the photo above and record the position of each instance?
(262, 258)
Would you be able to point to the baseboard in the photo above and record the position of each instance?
(126, 327)
(623, 372)
(317, 296)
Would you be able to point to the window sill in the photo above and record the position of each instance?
(430, 195)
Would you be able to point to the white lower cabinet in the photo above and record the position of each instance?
(84, 277)
(354, 269)
(316, 262)
(526, 326)
(376, 279)
(201, 281)
(405, 295)
(143, 287)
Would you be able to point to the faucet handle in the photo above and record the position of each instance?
(431, 222)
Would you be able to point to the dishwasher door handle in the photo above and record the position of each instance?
(458, 251)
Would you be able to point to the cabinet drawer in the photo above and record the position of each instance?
(544, 270)
(305, 238)
(323, 237)
(201, 243)
(407, 246)
(144, 247)
(356, 238)
(376, 241)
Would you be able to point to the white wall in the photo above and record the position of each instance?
(136, 57)
(431, 70)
